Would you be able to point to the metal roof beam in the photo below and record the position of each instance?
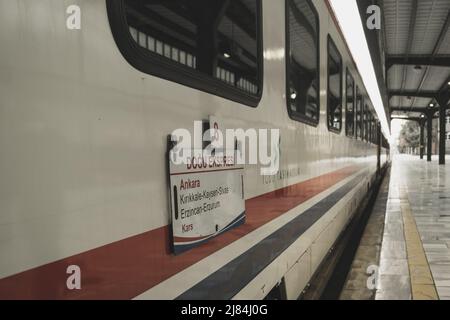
(407, 109)
(416, 94)
(407, 118)
(412, 118)
(418, 60)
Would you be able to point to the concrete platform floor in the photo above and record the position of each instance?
(414, 260)
(361, 280)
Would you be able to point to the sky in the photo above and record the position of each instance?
(396, 128)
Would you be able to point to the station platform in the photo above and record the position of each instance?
(404, 253)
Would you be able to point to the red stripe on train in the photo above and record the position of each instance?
(129, 267)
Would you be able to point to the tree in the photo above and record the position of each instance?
(409, 136)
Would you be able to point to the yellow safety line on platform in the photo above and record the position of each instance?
(422, 283)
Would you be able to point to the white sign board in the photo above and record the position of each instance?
(207, 199)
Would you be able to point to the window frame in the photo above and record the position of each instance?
(331, 41)
(155, 65)
(349, 74)
(292, 115)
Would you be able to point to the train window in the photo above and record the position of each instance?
(366, 123)
(210, 45)
(278, 292)
(350, 106)
(376, 141)
(363, 120)
(302, 65)
(374, 129)
(377, 124)
(334, 87)
(358, 114)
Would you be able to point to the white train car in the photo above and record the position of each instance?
(84, 118)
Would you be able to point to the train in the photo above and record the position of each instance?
(86, 120)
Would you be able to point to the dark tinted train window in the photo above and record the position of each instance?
(358, 114)
(303, 61)
(278, 292)
(363, 121)
(366, 122)
(334, 87)
(212, 45)
(376, 131)
(350, 106)
(375, 128)
(372, 131)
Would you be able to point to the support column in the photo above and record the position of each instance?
(442, 99)
(429, 134)
(422, 138)
(442, 108)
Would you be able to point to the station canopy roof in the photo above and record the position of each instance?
(411, 52)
